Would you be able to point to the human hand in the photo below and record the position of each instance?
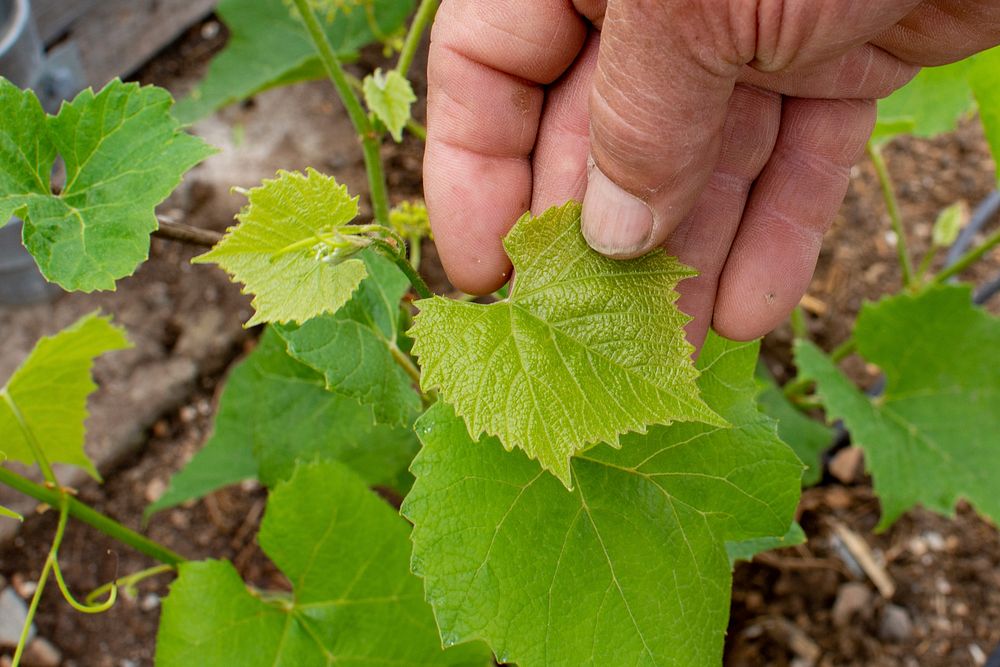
(723, 129)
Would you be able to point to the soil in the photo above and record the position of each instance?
(946, 571)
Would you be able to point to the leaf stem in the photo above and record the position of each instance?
(892, 205)
(968, 259)
(92, 517)
(405, 363)
(415, 240)
(370, 144)
(424, 15)
(29, 437)
(844, 350)
(129, 581)
(419, 286)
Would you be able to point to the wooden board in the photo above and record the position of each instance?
(115, 37)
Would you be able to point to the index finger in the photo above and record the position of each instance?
(487, 65)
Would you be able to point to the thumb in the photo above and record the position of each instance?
(657, 110)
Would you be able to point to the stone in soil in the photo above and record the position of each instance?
(895, 625)
(41, 653)
(13, 614)
(853, 599)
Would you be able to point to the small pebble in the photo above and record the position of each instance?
(895, 625)
(853, 598)
(13, 614)
(41, 653)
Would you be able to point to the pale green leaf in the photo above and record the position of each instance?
(389, 97)
(410, 220)
(807, 437)
(631, 566)
(275, 411)
(268, 47)
(933, 437)
(281, 249)
(930, 104)
(353, 600)
(949, 223)
(123, 152)
(44, 403)
(985, 81)
(584, 349)
(354, 348)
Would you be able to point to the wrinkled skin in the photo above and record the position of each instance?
(722, 129)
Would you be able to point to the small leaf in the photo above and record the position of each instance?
(410, 220)
(807, 437)
(124, 153)
(631, 566)
(389, 97)
(584, 349)
(949, 223)
(268, 47)
(45, 399)
(289, 250)
(747, 549)
(934, 436)
(353, 599)
(275, 411)
(354, 348)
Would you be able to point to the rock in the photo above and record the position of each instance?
(41, 653)
(895, 625)
(847, 465)
(149, 602)
(853, 598)
(13, 614)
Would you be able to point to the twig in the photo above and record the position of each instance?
(178, 231)
(779, 563)
(862, 553)
(892, 205)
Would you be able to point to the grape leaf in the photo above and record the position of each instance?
(389, 97)
(44, 403)
(747, 549)
(124, 153)
(354, 348)
(268, 47)
(631, 566)
(274, 411)
(354, 602)
(933, 437)
(584, 349)
(984, 78)
(807, 437)
(281, 249)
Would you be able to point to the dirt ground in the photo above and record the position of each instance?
(797, 607)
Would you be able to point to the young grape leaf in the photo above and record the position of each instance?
(807, 437)
(631, 566)
(389, 97)
(274, 411)
(281, 250)
(268, 47)
(353, 600)
(584, 349)
(43, 406)
(933, 437)
(123, 152)
(354, 348)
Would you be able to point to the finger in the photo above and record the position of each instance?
(559, 163)
(703, 239)
(793, 202)
(487, 63)
(943, 31)
(866, 72)
(664, 76)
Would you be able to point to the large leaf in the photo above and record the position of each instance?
(933, 437)
(275, 411)
(281, 248)
(630, 567)
(354, 601)
(354, 348)
(807, 437)
(584, 349)
(268, 47)
(44, 403)
(123, 152)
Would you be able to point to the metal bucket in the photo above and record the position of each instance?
(21, 62)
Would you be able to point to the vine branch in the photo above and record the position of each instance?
(423, 17)
(892, 205)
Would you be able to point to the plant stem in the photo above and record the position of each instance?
(969, 258)
(419, 286)
(925, 264)
(844, 350)
(799, 327)
(892, 205)
(128, 581)
(178, 231)
(92, 517)
(362, 125)
(29, 437)
(424, 15)
(43, 578)
(415, 251)
(405, 363)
